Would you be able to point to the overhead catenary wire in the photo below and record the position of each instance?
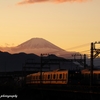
(80, 46)
(85, 51)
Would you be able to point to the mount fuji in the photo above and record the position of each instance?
(39, 46)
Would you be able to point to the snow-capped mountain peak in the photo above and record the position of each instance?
(34, 43)
(38, 46)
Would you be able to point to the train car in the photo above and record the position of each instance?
(86, 77)
(55, 77)
(51, 77)
(33, 78)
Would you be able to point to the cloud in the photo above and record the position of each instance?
(58, 1)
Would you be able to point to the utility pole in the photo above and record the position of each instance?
(84, 61)
(41, 67)
(45, 61)
(91, 64)
(94, 53)
(41, 70)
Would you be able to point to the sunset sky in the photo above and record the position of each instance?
(65, 23)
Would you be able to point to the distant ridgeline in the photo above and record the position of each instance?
(15, 62)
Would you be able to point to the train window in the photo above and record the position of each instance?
(42, 77)
(63, 75)
(39, 77)
(54, 76)
(36, 77)
(48, 76)
(60, 76)
(57, 76)
(51, 76)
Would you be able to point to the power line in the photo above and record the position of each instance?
(85, 51)
(78, 46)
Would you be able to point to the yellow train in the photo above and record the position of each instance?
(64, 77)
(54, 77)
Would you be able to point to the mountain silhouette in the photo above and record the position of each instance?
(38, 46)
(16, 62)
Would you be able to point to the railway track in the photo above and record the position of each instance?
(69, 88)
(58, 94)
